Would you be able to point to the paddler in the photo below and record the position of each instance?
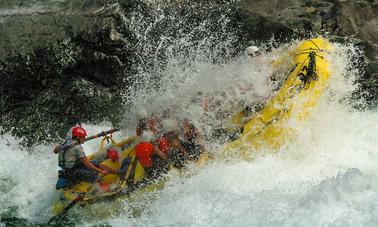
(75, 165)
(145, 151)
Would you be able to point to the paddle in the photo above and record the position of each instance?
(66, 209)
(104, 133)
(73, 202)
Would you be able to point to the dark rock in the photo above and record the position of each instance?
(346, 18)
(367, 93)
(264, 19)
(369, 31)
(353, 15)
(60, 60)
(286, 20)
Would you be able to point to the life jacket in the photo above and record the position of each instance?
(143, 152)
(163, 145)
(65, 146)
(113, 154)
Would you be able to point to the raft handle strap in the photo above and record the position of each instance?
(110, 140)
(310, 70)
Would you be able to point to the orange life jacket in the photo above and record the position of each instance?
(143, 152)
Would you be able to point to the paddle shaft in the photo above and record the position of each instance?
(66, 209)
(102, 134)
(73, 202)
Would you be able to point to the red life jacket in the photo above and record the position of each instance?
(163, 145)
(143, 152)
(113, 154)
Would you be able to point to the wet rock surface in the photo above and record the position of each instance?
(60, 61)
(67, 59)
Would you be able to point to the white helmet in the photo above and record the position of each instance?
(194, 110)
(252, 50)
(147, 136)
(221, 98)
(169, 125)
(142, 113)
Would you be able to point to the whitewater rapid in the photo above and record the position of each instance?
(326, 176)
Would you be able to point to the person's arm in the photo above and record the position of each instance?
(178, 145)
(109, 169)
(159, 153)
(89, 165)
(205, 104)
(200, 141)
(138, 132)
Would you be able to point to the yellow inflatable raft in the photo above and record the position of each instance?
(305, 82)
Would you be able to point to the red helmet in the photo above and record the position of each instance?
(78, 132)
(113, 154)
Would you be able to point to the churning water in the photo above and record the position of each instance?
(326, 176)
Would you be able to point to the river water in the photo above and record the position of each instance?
(325, 176)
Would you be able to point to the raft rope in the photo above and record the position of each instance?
(310, 70)
(315, 44)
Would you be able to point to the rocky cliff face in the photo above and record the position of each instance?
(355, 19)
(66, 59)
(59, 61)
